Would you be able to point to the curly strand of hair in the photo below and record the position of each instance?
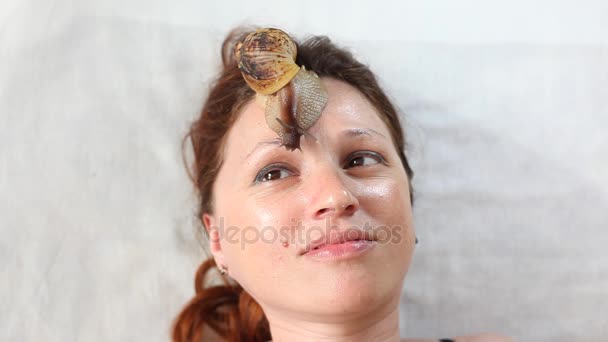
(253, 319)
(227, 309)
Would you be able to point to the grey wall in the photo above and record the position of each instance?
(506, 107)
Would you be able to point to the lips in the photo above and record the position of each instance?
(337, 238)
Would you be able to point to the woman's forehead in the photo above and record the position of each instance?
(346, 108)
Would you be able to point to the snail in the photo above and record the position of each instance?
(293, 97)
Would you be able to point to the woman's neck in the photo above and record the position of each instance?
(379, 326)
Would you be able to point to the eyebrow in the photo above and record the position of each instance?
(355, 132)
(349, 132)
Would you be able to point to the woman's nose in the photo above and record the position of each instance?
(331, 198)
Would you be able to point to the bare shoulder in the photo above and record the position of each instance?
(484, 337)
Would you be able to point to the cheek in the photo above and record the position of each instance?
(253, 244)
(386, 201)
(387, 204)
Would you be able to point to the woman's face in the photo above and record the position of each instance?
(349, 179)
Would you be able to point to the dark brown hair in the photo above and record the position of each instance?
(227, 309)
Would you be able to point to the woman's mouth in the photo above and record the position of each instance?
(340, 251)
(346, 245)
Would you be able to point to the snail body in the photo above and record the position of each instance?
(310, 98)
(293, 97)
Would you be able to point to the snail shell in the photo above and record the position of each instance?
(267, 60)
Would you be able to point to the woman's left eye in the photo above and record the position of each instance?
(364, 159)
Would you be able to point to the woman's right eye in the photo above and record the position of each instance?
(272, 172)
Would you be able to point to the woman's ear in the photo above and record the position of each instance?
(214, 231)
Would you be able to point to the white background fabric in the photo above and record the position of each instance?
(505, 105)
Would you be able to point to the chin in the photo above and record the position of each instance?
(357, 293)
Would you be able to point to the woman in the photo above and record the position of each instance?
(309, 222)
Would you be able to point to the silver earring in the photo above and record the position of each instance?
(223, 269)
